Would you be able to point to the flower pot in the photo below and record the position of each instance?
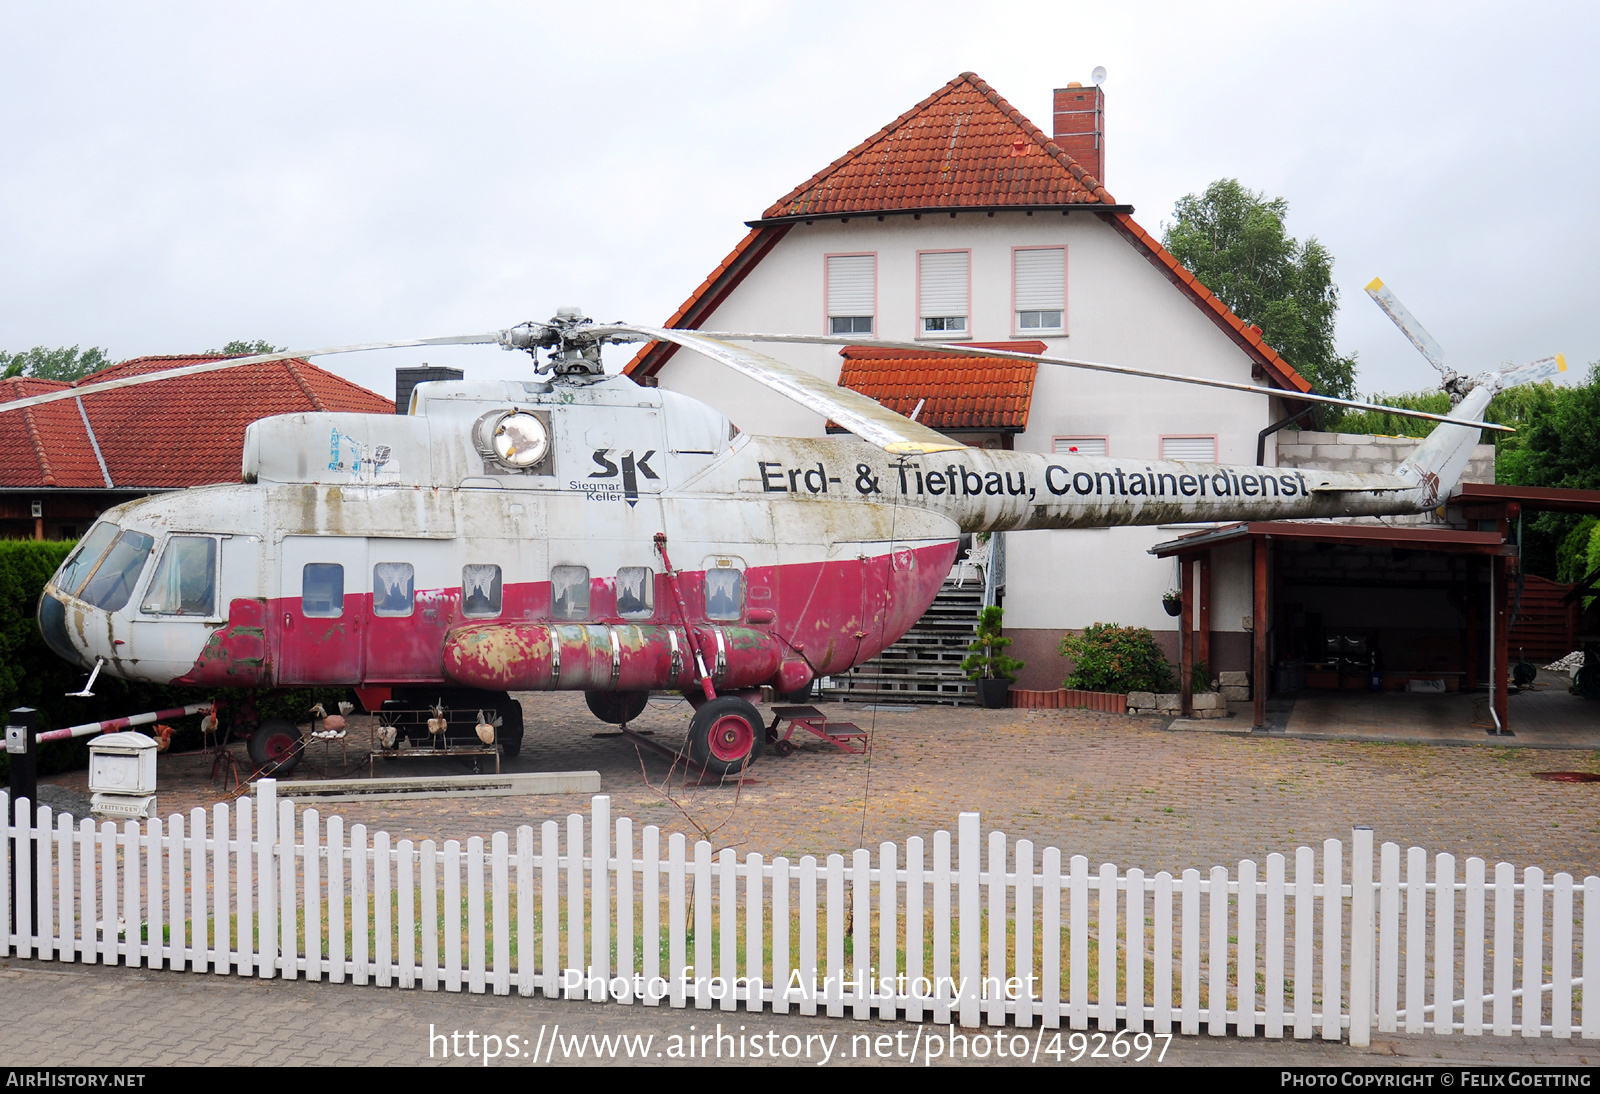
(1174, 607)
(992, 694)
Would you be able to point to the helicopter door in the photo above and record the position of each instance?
(414, 592)
(321, 610)
(180, 607)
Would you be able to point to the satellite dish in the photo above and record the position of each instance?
(1098, 76)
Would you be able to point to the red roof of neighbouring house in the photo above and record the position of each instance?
(962, 148)
(182, 432)
(45, 445)
(957, 391)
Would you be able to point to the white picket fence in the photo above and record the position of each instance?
(985, 933)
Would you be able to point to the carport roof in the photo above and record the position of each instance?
(1538, 498)
(1448, 540)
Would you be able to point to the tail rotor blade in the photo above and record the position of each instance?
(1545, 368)
(1390, 303)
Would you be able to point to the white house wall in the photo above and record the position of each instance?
(1120, 309)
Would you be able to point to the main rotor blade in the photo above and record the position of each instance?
(865, 417)
(235, 362)
(1390, 303)
(1096, 366)
(1545, 368)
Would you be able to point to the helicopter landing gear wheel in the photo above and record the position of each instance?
(276, 744)
(616, 707)
(726, 735)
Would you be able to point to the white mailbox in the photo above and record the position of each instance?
(122, 775)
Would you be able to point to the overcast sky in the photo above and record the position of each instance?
(173, 175)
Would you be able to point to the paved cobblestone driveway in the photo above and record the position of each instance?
(1114, 788)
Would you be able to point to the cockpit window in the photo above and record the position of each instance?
(186, 578)
(81, 564)
(118, 573)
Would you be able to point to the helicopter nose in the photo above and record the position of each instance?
(53, 625)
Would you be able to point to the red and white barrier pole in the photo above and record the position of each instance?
(89, 729)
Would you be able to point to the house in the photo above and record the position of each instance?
(64, 463)
(961, 220)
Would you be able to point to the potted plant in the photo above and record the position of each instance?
(1172, 600)
(986, 664)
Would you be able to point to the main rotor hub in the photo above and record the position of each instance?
(574, 350)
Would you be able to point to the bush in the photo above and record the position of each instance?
(985, 661)
(1107, 657)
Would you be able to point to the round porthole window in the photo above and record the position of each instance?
(520, 440)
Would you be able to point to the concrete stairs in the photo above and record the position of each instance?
(925, 665)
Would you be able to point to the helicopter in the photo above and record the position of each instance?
(577, 531)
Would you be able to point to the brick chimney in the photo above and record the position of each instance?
(1080, 124)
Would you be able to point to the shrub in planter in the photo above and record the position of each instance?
(986, 664)
(1107, 657)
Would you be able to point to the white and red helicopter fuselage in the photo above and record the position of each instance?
(429, 550)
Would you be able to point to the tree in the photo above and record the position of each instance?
(54, 364)
(238, 348)
(1233, 240)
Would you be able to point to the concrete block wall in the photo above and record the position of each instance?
(1360, 452)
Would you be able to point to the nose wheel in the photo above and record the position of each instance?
(726, 735)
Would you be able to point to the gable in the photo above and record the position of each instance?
(961, 150)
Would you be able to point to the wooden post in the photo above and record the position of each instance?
(1502, 642)
(1203, 618)
(1186, 633)
(1258, 629)
(1470, 659)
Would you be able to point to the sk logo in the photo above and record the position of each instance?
(631, 470)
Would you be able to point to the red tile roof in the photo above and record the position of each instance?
(957, 149)
(45, 445)
(167, 433)
(962, 147)
(961, 392)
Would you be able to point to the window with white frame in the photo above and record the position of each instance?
(1082, 446)
(1039, 288)
(852, 293)
(943, 285)
(1190, 449)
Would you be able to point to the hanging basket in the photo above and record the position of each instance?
(1174, 607)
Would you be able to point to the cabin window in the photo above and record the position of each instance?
(81, 564)
(118, 573)
(481, 591)
(852, 293)
(724, 593)
(1039, 289)
(944, 287)
(393, 584)
(636, 586)
(569, 592)
(322, 590)
(186, 578)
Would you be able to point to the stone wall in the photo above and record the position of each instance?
(1360, 452)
